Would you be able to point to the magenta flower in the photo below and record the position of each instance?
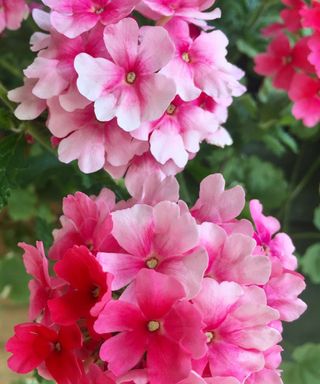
(128, 87)
(163, 238)
(160, 324)
(73, 17)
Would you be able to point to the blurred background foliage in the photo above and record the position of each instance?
(274, 157)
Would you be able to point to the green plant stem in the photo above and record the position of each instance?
(4, 97)
(11, 69)
(304, 182)
(35, 131)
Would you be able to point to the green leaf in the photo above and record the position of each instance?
(305, 367)
(311, 263)
(22, 204)
(13, 278)
(316, 217)
(11, 163)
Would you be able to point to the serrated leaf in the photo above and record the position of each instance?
(311, 263)
(305, 367)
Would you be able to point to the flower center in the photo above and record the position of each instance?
(210, 337)
(152, 263)
(186, 57)
(95, 292)
(97, 9)
(131, 77)
(57, 347)
(153, 326)
(171, 109)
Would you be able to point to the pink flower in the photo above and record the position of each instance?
(12, 12)
(311, 16)
(31, 106)
(314, 56)
(128, 88)
(89, 141)
(160, 324)
(179, 132)
(232, 258)
(189, 10)
(73, 17)
(217, 205)
(86, 221)
(34, 345)
(281, 61)
(88, 287)
(42, 287)
(201, 65)
(236, 327)
(161, 238)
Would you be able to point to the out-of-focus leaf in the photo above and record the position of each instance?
(21, 204)
(13, 278)
(311, 263)
(316, 217)
(305, 367)
(11, 163)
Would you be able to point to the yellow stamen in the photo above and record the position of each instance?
(186, 57)
(131, 77)
(153, 326)
(152, 263)
(171, 109)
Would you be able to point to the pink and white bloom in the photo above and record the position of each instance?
(190, 10)
(163, 238)
(73, 17)
(200, 64)
(12, 13)
(128, 87)
(160, 324)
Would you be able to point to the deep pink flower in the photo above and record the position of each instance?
(88, 287)
(12, 12)
(86, 221)
(194, 378)
(291, 15)
(42, 287)
(311, 16)
(304, 92)
(314, 56)
(201, 65)
(73, 17)
(281, 61)
(34, 345)
(160, 324)
(163, 238)
(128, 88)
(236, 326)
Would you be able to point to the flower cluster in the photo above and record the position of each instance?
(150, 291)
(12, 12)
(292, 59)
(124, 97)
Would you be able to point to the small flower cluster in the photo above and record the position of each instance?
(12, 12)
(292, 59)
(150, 291)
(123, 97)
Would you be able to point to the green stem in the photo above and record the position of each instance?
(4, 97)
(35, 131)
(304, 182)
(11, 69)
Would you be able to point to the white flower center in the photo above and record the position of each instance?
(131, 77)
(153, 326)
